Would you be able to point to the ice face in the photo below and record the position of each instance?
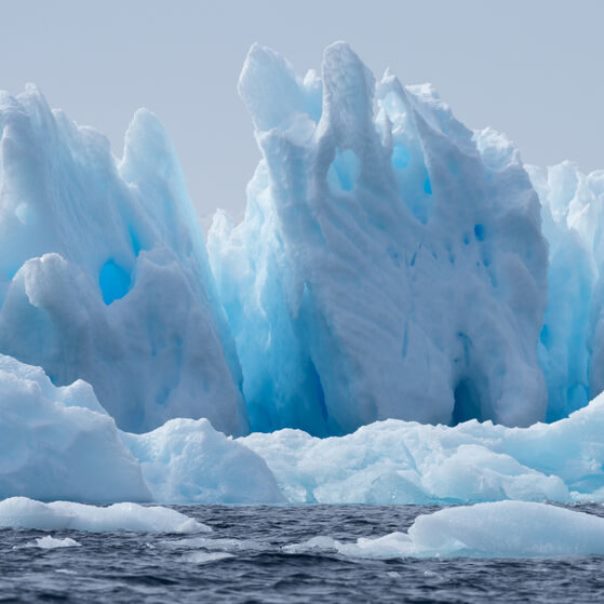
(103, 271)
(572, 337)
(390, 263)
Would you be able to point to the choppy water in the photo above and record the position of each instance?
(243, 561)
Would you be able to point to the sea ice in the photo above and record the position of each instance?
(21, 512)
(505, 529)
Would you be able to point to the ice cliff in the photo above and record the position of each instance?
(390, 263)
(103, 271)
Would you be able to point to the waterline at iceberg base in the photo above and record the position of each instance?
(407, 314)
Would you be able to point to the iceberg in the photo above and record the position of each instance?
(505, 529)
(58, 443)
(390, 263)
(103, 271)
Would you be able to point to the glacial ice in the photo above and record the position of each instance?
(20, 512)
(572, 336)
(187, 461)
(59, 443)
(504, 529)
(393, 267)
(103, 270)
(390, 263)
(397, 462)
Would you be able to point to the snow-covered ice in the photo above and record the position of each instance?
(59, 443)
(505, 529)
(50, 542)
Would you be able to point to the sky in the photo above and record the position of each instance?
(530, 68)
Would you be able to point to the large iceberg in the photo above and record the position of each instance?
(390, 263)
(103, 271)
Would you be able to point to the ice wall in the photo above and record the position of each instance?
(390, 263)
(103, 271)
(572, 337)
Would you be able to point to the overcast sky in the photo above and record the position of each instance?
(531, 68)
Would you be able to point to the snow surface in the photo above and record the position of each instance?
(103, 270)
(390, 263)
(505, 529)
(20, 512)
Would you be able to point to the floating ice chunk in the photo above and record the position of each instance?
(187, 461)
(50, 542)
(207, 557)
(21, 512)
(505, 529)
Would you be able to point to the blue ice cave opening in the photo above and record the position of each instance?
(467, 402)
(344, 171)
(114, 281)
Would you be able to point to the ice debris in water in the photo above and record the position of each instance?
(21, 512)
(505, 529)
(50, 542)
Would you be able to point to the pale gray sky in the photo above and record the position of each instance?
(531, 68)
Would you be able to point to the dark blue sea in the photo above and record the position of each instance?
(243, 560)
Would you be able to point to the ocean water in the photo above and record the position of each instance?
(243, 560)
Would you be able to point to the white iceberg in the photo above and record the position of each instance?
(506, 529)
(390, 263)
(21, 512)
(103, 270)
